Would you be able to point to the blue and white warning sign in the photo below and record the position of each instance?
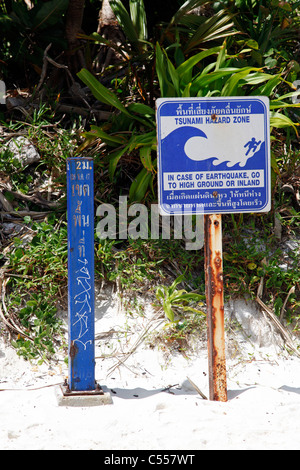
(214, 155)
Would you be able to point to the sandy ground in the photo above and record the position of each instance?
(154, 406)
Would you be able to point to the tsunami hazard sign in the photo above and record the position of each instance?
(213, 155)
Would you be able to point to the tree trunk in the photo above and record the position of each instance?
(106, 17)
(108, 27)
(73, 27)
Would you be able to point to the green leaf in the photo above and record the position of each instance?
(139, 18)
(27, 219)
(252, 43)
(186, 67)
(221, 57)
(274, 164)
(282, 104)
(184, 9)
(213, 28)
(145, 156)
(114, 158)
(269, 87)
(186, 93)
(100, 92)
(160, 293)
(98, 39)
(19, 253)
(206, 79)
(270, 62)
(108, 138)
(258, 77)
(251, 266)
(231, 86)
(166, 87)
(168, 310)
(148, 139)
(281, 121)
(105, 96)
(177, 281)
(49, 13)
(192, 297)
(20, 14)
(125, 21)
(140, 185)
(173, 74)
(6, 23)
(141, 108)
(287, 95)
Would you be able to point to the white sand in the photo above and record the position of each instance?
(262, 411)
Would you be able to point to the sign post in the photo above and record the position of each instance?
(215, 307)
(214, 159)
(80, 195)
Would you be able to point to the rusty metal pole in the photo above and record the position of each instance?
(215, 307)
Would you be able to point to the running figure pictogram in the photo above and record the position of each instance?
(252, 145)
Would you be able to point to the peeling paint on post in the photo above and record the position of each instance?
(80, 196)
(215, 307)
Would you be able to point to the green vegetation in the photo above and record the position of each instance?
(232, 48)
(39, 277)
(174, 300)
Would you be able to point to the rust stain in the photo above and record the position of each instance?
(215, 307)
(72, 353)
(73, 350)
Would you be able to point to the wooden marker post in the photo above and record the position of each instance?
(215, 307)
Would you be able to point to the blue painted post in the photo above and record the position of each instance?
(80, 206)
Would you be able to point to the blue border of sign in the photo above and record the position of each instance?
(170, 160)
